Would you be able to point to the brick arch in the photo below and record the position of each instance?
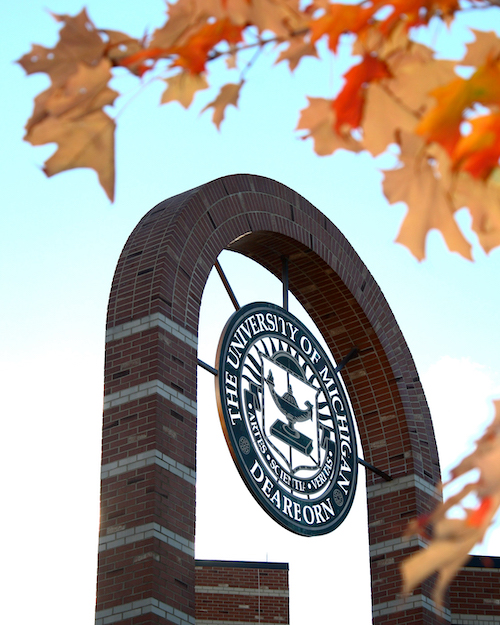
(146, 566)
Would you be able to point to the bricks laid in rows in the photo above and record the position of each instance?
(149, 426)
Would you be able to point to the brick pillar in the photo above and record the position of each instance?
(146, 569)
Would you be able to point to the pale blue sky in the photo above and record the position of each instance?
(60, 241)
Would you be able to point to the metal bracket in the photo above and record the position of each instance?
(379, 472)
(284, 280)
(207, 367)
(352, 354)
(227, 286)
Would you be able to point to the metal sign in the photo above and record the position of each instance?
(286, 419)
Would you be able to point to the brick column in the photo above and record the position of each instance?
(146, 562)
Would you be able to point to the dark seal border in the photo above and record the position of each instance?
(233, 433)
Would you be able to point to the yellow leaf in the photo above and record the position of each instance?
(297, 49)
(229, 94)
(485, 47)
(182, 87)
(415, 73)
(438, 555)
(319, 120)
(421, 188)
(84, 142)
(383, 119)
(184, 18)
(371, 40)
(282, 17)
(85, 91)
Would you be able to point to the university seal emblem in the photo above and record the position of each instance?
(286, 419)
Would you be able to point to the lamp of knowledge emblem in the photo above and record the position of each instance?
(286, 419)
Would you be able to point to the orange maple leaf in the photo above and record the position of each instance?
(414, 12)
(348, 105)
(144, 60)
(479, 151)
(193, 54)
(442, 122)
(318, 118)
(120, 45)
(339, 19)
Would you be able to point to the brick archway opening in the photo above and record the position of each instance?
(146, 562)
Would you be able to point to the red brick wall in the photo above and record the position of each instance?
(146, 560)
(475, 593)
(242, 592)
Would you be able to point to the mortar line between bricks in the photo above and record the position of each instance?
(143, 606)
(151, 321)
(147, 458)
(470, 619)
(232, 590)
(409, 603)
(153, 387)
(127, 536)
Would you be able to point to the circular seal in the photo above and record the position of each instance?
(286, 419)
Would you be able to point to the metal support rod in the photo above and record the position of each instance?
(352, 354)
(379, 472)
(227, 285)
(284, 279)
(207, 367)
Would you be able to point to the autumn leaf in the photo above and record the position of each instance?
(298, 48)
(120, 46)
(415, 73)
(442, 122)
(319, 120)
(397, 93)
(282, 17)
(72, 116)
(478, 152)
(228, 95)
(421, 188)
(143, 60)
(87, 141)
(193, 54)
(339, 19)
(348, 105)
(184, 18)
(380, 104)
(84, 92)
(414, 12)
(182, 88)
(483, 201)
(453, 538)
(485, 47)
(79, 42)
